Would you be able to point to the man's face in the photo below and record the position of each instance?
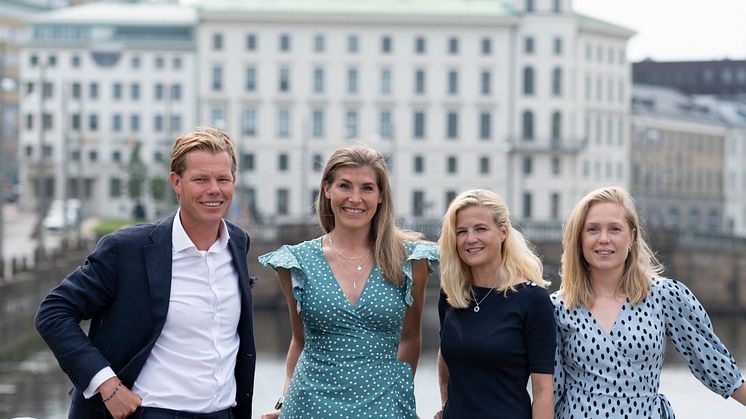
(205, 189)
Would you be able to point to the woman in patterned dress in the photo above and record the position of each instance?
(355, 297)
(496, 323)
(614, 313)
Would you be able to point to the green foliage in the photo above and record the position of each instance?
(109, 225)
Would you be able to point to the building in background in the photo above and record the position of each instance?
(105, 88)
(13, 15)
(678, 156)
(529, 100)
(721, 78)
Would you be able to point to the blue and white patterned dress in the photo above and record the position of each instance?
(617, 375)
(348, 367)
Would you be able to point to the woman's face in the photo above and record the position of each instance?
(478, 238)
(354, 197)
(606, 239)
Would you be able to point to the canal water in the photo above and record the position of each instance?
(31, 384)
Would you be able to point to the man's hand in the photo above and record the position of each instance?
(118, 399)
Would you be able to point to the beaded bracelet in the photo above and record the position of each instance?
(113, 392)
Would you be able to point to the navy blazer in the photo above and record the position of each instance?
(124, 289)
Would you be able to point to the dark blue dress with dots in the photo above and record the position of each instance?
(490, 354)
(617, 374)
(348, 367)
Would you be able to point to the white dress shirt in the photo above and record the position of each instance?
(191, 366)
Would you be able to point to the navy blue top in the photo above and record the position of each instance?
(491, 354)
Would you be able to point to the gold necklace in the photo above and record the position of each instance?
(358, 266)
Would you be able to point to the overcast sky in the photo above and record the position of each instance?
(670, 30)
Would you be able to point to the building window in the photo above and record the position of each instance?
(528, 80)
(556, 127)
(317, 123)
(453, 82)
(484, 165)
(485, 126)
(386, 46)
(283, 196)
(450, 196)
(75, 61)
(283, 122)
(528, 125)
(116, 156)
(247, 161)
(418, 126)
(284, 82)
(486, 83)
(175, 123)
(418, 203)
(92, 157)
(159, 62)
(352, 80)
(251, 79)
(251, 42)
(385, 125)
(158, 123)
(115, 187)
(352, 44)
(557, 82)
(420, 47)
(217, 117)
(283, 162)
(558, 46)
(419, 82)
(177, 63)
(452, 164)
(554, 205)
(285, 42)
(528, 165)
(116, 91)
(135, 123)
(418, 164)
(452, 125)
(453, 46)
(318, 43)
(158, 91)
(385, 81)
(92, 90)
(317, 164)
(556, 168)
(217, 78)
(217, 41)
(527, 203)
(486, 46)
(528, 45)
(116, 122)
(248, 122)
(135, 62)
(93, 122)
(74, 122)
(47, 121)
(351, 124)
(318, 80)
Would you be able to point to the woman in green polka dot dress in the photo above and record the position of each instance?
(355, 297)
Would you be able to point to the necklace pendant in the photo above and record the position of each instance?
(359, 268)
(354, 285)
(476, 309)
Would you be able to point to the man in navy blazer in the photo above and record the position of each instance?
(169, 304)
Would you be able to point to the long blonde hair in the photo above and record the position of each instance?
(386, 237)
(519, 261)
(640, 267)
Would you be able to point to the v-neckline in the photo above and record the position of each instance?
(614, 324)
(340, 291)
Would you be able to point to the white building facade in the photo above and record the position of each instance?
(530, 102)
(99, 82)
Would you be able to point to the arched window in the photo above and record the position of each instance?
(528, 125)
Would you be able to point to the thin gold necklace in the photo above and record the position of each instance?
(358, 266)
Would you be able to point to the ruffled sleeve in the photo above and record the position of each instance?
(423, 250)
(285, 258)
(691, 332)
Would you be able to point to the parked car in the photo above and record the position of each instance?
(58, 216)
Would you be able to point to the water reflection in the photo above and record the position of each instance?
(31, 383)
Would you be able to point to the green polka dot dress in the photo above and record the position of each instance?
(348, 367)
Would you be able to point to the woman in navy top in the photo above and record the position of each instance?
(497, 327)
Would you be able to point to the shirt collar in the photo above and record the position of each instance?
(181, 241)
